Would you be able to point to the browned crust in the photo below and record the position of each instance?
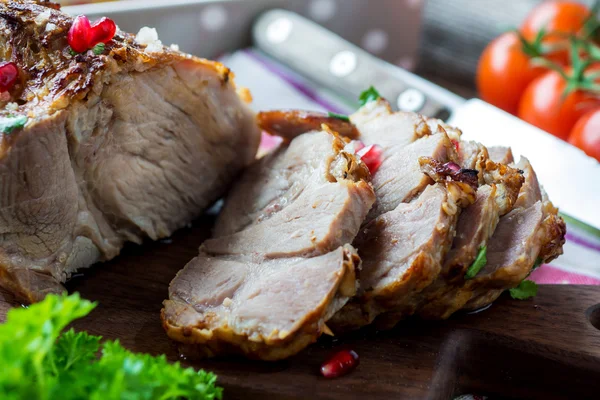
(509, 179)
(19, 284)
(200, 341)
(291, 123)
(51, 77)
(555, 231)
(442, 172)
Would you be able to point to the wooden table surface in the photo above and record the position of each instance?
(545, 348)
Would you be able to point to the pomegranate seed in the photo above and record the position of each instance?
(103, 31)
(8, 75)
(371, 156)
(340, 364)
(79, 34)
(83, 36)
(452, 166)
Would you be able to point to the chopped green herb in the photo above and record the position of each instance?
(369, 95)
(537, 264)
(339, 116)
(479, 263)
(10, 123)
(38, 362)
(525, 290)
(72, 52)
(99, 49)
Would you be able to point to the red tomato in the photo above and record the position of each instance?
(586, 134)
(559, 19)
(504, 71)
(543, 104)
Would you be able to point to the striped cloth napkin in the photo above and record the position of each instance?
(274, 86)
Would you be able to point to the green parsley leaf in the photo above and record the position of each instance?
(99, 49)
(339, 116)
(525, 290)
(10, 123)
(479, 263)
(73, 349)
(369, 95)
(40, 363)
(72, 52)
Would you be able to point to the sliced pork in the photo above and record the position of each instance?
(123, 145)
(531, 234)
(402, 251)
(280, 267)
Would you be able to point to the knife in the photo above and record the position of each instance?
(569, 176)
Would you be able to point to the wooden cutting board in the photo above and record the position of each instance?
(544, 348)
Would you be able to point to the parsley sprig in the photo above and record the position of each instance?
(525, 290)
(478, 264)
(38, 362)
(369, 95)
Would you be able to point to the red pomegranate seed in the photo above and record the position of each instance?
(371, 156)
(103, 31)
(8, 75)
(340, 364)
(80, 34)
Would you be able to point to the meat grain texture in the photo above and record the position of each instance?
(118, 147)
(441, 201)
(280, 263)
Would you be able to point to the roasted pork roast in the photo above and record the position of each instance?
(280, 263)
(130, 143)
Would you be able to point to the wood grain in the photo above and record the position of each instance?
(545, 348)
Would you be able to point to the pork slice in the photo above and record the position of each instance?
(290, 124)
(390, 130)
(501, 155)
(472, 155)
(321, 219)
(531, 234)
(511, 258)
(399, 178)
(474, 228)
(288, 171)
(531, 191)
(121, 146)
(272, 285)
(402, 251)
(459, 292)
(512, 252)
(268, 310)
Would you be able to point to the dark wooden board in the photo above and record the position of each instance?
(545, 348)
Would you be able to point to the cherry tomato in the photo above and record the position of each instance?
(559, 19)
(544, 105)
(586, 134)
(504, 71)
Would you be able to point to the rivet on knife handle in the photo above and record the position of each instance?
(341, 66)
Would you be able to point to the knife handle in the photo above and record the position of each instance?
(331, 61)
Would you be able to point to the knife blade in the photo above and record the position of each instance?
(569, 176)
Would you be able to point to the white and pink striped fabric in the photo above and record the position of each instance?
(276, 87)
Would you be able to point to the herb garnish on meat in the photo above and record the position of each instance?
(479, 263)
